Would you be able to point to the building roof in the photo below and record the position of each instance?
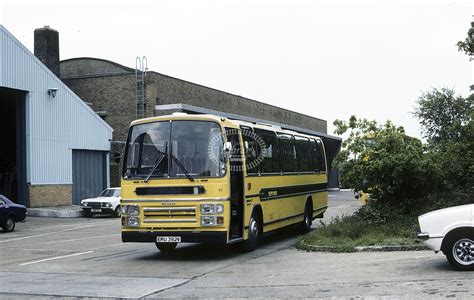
(241, 119)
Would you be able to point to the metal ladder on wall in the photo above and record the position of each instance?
(141, 68)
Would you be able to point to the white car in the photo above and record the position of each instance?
(450, 230)
(108, 202)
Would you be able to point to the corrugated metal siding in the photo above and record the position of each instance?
(89, 174)
(54, 125)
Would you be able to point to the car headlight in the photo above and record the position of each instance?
(84, 203)
(212, 221)
(212, 209)
(132, 210)
(108, 204)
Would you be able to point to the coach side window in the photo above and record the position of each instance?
(303, 152)
(270, 163)
(319, 160)
(287, 148)
(321, 155)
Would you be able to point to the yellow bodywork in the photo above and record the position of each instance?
(277, 213)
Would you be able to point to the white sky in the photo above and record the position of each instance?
(328, 59)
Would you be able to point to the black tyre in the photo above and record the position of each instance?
(118, 211)
(166, 247)
(305, 226)
(254, 233)
(460, 252)
(9, 224)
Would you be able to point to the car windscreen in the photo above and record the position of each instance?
(107, 193)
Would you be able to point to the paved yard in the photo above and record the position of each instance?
(86, 258)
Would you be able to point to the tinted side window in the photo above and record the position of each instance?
(322, 158)
(287, 148)
(270, 163)
(318, 156)
(303, 152)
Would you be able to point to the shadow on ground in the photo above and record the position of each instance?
(281, 239)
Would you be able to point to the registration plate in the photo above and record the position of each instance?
(168, 239)
(96, 210)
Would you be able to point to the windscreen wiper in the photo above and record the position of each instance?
(182, 168)
(158, 162)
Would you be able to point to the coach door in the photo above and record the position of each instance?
(236, 185)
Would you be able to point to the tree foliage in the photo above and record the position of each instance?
(403, 175)
(447, 122)
(467, 46)
(384, 161)
(444, 117)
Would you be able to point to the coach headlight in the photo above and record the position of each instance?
(212, 221)
(207, 209)
(131, 210)
(133, 221)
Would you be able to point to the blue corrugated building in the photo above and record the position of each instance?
(54, 147)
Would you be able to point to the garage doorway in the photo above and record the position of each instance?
(13, 146)
(89, 174)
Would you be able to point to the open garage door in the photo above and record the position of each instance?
(13, 145)
(89, 174)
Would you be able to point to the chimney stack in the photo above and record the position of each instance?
(47, 48)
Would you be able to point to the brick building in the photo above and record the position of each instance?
(112, 92)
(110, 88)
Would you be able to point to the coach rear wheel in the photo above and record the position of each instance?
(305, 226)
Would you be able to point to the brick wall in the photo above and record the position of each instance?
(50, 195)
(113, 94)
(111, 87)
(172, 90)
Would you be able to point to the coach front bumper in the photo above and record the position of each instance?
(208, 237)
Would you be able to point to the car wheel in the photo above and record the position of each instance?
(166, 247)
(9, 224)
(460, 252)
(254, 232)
(305, 226)
(118, 211)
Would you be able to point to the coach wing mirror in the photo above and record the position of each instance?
(227, 149)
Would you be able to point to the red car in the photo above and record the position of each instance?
(10, 213)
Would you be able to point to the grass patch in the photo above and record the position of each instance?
(345, 233)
